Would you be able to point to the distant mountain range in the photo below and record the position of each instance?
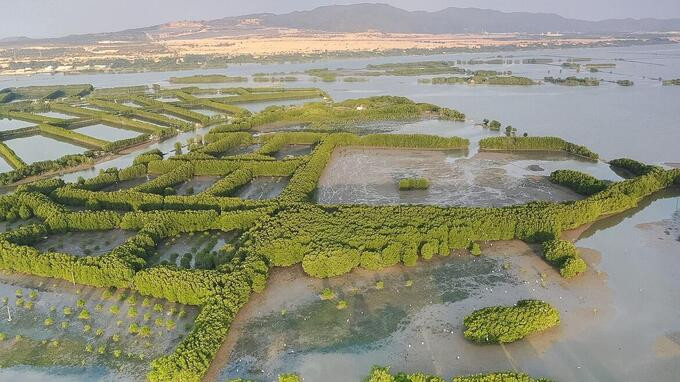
(386, 18)
(382, 18)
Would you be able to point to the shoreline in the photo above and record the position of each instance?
(289, 57)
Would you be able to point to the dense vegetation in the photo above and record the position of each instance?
(206, 79)
(383, 374)
(563, 255)
(414, 184)
(573, 81)
(326, 240)
(632, 166)
(581, 183)
(505, 324)
(535, 143)
(482, 79)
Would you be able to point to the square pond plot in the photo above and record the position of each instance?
(12, 124)
(262, 188)
(38, 148)
(107, 133)
(60, 331)
(371, 176)
(55, 114)
(92, 243)
(292, 150)
(4, 166)
(242, 149)
(128, 184)
(196, 185)
(194, 250)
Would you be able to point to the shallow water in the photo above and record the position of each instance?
(196, 185)
(172, 250)
(106, 133)
(38, 148)
(208, 112)
(92, 243)
(619, 319)
(293, 151)
(616, 121)
(256, 107)
(55, 114)
(371, 176)
(263, 187)
(11, 124)
(34, 354)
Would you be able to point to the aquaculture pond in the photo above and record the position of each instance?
(619, 319)
(94, 243)
(35, 148)
(288, 151)
(128, 184)
(196, 185)
(4, 166)
(262, 187)
(371, 176)
(11, 124)
(208, 112)
(107, 133)
(256, 107)
(55, 114)
(62, 332)
(242, 149)
(198, 250)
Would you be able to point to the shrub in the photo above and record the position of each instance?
(413, 184)
(579, 182)
(501, 324)
(563, 255)
(327, 294)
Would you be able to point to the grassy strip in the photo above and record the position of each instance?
(172, 109)
(53, 91)
(38, 168)
(226, 142)
(407, 184)
(74, 137)
(11, 157)
(229, 183)
(321, 115)
(573, 81)
(35, 118)
(382, 374)
(206, 79)
(119, 91)
(111, 119)
(535, 143)
(274, 142)
(181, 173)
(142, 114)
(503, 324)
(272, 96)
(579, 182)
(632, 166)
(210, 104)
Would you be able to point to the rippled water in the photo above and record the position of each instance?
(619, 319)
(638, 121)
(371, 176)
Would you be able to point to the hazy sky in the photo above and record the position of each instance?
(49, 18)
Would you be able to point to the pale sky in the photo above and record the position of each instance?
(52, 18)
